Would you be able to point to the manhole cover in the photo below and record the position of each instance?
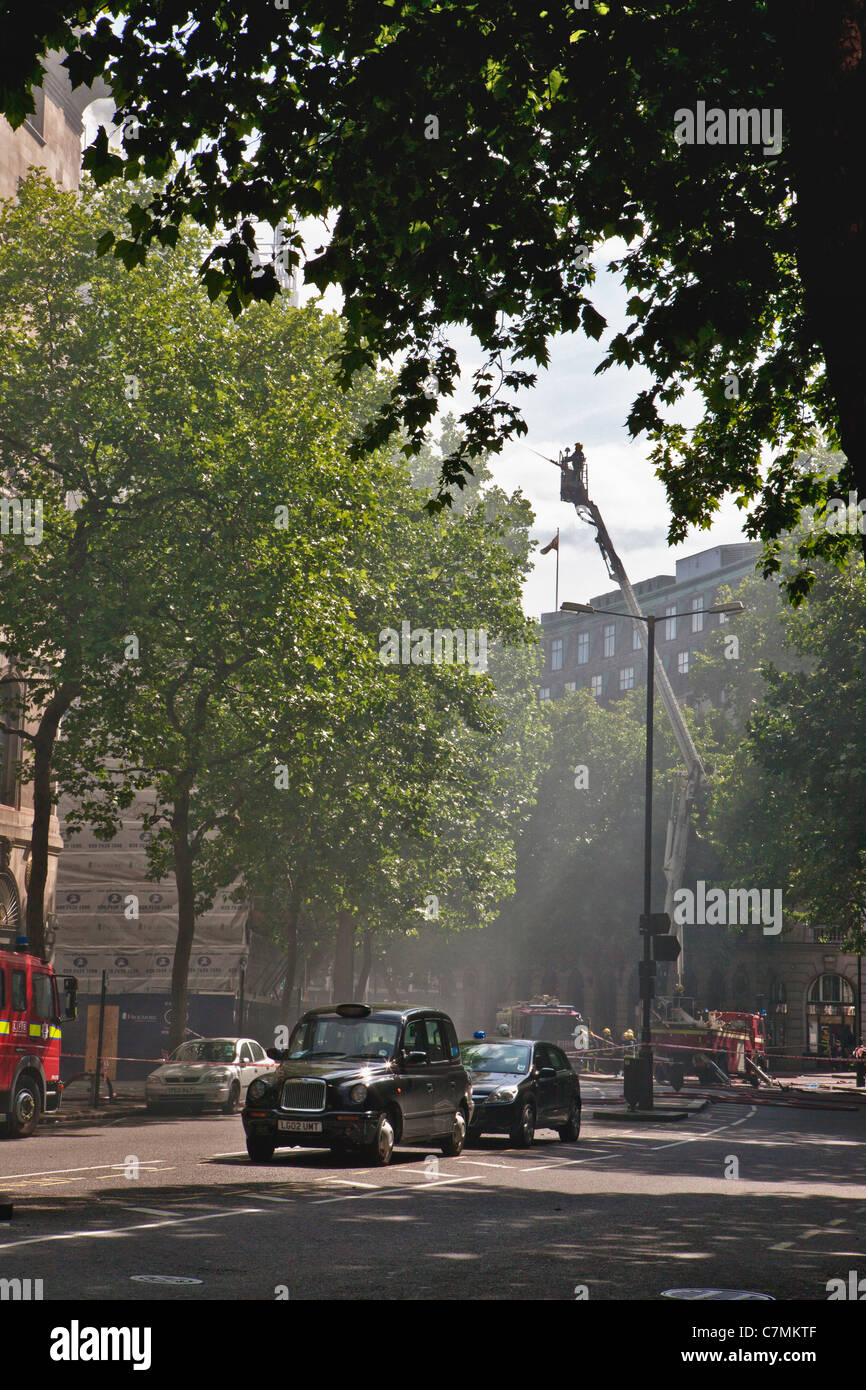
(163, 1279)
(725, 1295)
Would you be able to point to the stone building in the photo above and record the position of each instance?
(606, 654)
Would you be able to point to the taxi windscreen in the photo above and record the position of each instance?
(343, 1037)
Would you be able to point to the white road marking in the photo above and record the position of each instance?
(149, 1211)
(706, 1133)
(403, 1190)
(130, 1230)
(93, 1167)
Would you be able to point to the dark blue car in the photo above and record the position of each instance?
(519, 1086)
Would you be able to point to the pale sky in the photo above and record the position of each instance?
(570, 403)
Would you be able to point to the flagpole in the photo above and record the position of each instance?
(556, 604)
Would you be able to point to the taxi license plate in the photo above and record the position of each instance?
(301, 1126)
(183, 1091)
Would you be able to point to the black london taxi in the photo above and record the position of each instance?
(520, 1085)
(358, 1080)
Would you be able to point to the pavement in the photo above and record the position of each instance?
(768, 1199)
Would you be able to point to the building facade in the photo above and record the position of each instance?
(606, 654)
(803, 980)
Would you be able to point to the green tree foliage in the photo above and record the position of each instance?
(580, 858)
(210, 612)
(473, 157)
(787, 806)
(406, 807)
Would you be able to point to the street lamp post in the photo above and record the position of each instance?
(643, 1092)
(646, 1051)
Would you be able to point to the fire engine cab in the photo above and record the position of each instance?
(547, 1020)
(30, 1039)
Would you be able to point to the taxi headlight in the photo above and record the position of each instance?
(216, 1076)
(504, 1094)
(258, 1090)
(357, 1093)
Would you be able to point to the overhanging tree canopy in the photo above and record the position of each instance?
(473, 154)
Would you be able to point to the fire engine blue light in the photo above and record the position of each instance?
(480, 1034)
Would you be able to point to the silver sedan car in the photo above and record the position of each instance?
(208, 1071)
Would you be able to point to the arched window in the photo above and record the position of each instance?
(831, 989)
(10, 908)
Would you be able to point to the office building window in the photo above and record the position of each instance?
(698, 614)
(671, 622)
(683, 663)
(556, 654)
(626, 678)
(635, 638)
(582, 648)
(570, 686)
(544, 693)
(596, 685)
(609, 639)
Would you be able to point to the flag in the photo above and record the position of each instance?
(554, 545)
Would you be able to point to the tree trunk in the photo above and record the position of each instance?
(344, 959)
(43, 755)
(824, 101)
(183, 863)
(366, 964)
(290, 937)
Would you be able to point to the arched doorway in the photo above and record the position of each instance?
(10, 908)
(830, 1013)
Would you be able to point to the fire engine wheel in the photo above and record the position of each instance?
(676, 1077)
(661, 1073)
(523, 1132)
(26, 1105)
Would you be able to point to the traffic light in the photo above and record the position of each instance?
(657, 925)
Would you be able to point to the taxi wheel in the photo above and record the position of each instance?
(453, 1146)
(571, 1129)
(232, 1104)
(26, 1105)
(524, 1131)
(260, 1148)
(380, 1150)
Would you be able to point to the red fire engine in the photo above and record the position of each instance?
(688, 1041)
(547, 1020)
(30, 1038)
